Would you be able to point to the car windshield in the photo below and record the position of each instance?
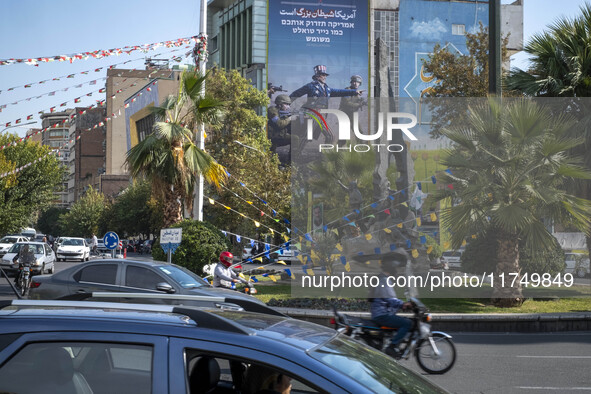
(370, 367)
(73, 242)
(8, 240)
(37, 249)
(182, 276)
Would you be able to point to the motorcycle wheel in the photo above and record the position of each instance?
(23, 285)
(432, 363)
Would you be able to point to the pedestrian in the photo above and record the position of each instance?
(94, 244)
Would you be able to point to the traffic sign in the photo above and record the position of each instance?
(172, 235)
(111, 240)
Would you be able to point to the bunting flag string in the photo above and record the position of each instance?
(102, 53)
(19, 169)
(79, 85)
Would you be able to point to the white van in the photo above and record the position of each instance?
(453, 258)
(28, 232)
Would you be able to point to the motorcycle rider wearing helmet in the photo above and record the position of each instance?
(385, 304)
(223, 275)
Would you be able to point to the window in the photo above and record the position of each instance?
(458, 30)
(142, 278)
(144, 127)
(79, 367)
(100, 273)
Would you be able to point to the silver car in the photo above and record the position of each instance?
(44, 258)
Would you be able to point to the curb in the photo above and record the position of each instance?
(502, 322)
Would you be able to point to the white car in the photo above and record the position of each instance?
(453, 258)
(44, 258)
(577, 264)
(9, 240)
(73, 248)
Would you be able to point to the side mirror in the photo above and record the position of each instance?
(165, 287)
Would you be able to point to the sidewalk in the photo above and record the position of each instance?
(498, 322)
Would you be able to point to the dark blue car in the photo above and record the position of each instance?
(108, 348)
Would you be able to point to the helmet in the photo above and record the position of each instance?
(356, 78)
(320, 70)
(226, 258)
(282, 99)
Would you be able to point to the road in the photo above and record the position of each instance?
(518, 363)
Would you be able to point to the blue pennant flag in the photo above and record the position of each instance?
(357, 211)
(435, 233)
(374, 205)
(360, 253)
(377, 251)
(448, 171)
(307, 236)
(285, 221)
(225, 235)
(267, 255)
(391, 197)
(265, 275)
(238, 238)
(267, 247)
(280, 251)
(288, 272)
(228, 174)
(287, 245)
(254, 279)
(433, 179)
(296, 253)
(264, 202)
(205, 279)
(419, 186)
(392, 247)
(288, 230)
(346, 219)
(325, 228)
(403, 192)
(249, 260)
(242, 184)
(343, 260)
(304, 268)
(423, 239)
(408, 243)
(274, 212)
(252, 243)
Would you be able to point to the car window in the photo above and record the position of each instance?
(241, 375)
(142, 278)
(64, 367)
(73, 242)
(182, 276)
(370, 367)
(8, 240)
(98, 273)
(15, 248)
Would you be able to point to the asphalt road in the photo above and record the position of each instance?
(518, 363)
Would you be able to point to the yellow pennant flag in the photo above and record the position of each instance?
(286, 238)
(241, 275)
(313, 255)
(310, 272)
(227, 207)
(419, 222)
(250, 202)
(259, 259)
(272, 231)
(241, 214)
(415, 253)
(327, 271)
(473, 236)
(256, 224)
(368, 236)
(464, 243)
(446, 245)
(281, 262)
(273, 278)
(339, 247)
(259, 268)
(399, 225)
(405, 204)
(433, 217)
(387, 230)
(301, 258)
(347, 267)
(429, 249)
(211, 201)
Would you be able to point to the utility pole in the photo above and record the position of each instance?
(494, 47)
(201, 63)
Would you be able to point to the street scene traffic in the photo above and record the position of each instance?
(277, 197)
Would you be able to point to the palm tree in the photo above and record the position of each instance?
(168, 157)
(509, 169)
(561, 67)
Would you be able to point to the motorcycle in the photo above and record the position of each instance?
(434, 350)
(24, 277)
(247, 288)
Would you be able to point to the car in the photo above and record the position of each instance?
(452, 258)
(101, 248)
(115, 348)
(577, 264)
(59, 241)
(119, 275)
(45, 258)
(7, 241)
(73, 248)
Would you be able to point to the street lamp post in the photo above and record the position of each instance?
(17, 125)
(200, 140)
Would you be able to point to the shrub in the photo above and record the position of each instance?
(436, 251)
(201, 244)
(481, 256)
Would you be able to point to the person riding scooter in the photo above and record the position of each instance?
(223, 275)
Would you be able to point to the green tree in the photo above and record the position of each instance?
(168, 157)
(509, 168)
(135, 212)
(49, 221)
(459, 76)
(86, 216)
(239, 143)
(201, 245)
(560, 66)
(26, 192)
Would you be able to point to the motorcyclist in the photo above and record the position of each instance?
(385, 304)
(223, 275)
(25, 255)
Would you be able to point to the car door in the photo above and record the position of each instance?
(84, 362)
(49, 257)
(95, 277)
(136, 278)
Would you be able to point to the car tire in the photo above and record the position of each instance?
(52, 269)
(581, 273)
(42, 269)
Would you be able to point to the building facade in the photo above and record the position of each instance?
(56, 136)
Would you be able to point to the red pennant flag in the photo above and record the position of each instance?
(17, 121)
(387, 211)
(29, 117)
(51, 109)
(102, 90)
(89, 94)
(149, 89)
(63, 104)
(450, 186)
(262, 213)
(27, 86)
(70, 76)
(126, 105)
(77, 100)
(8, 124)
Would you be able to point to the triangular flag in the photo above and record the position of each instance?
(368, 236)
(433, 217)
(429, 249)
(387, 230)
(415, 253)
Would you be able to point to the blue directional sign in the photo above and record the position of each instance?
(111, 240)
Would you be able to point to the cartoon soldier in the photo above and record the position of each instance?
(279, 123)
